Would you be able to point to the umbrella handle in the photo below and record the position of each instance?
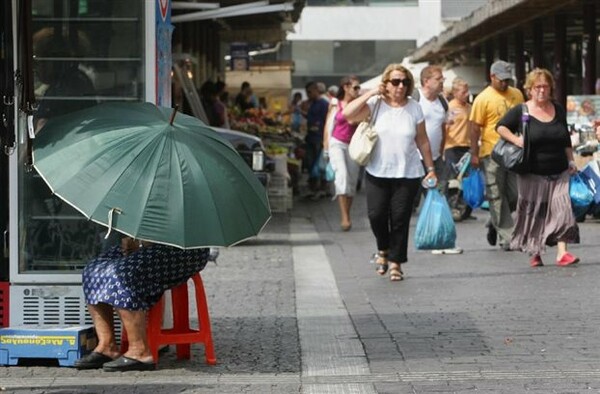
(110, 219)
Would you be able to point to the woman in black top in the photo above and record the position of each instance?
(544, 214)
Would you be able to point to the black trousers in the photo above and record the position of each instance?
(389, 205)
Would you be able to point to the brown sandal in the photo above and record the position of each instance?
(396, 274)
(380, 259)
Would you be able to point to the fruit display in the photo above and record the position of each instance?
(257, 121)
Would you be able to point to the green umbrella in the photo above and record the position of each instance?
(130, 167)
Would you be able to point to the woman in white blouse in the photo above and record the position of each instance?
(395, 170)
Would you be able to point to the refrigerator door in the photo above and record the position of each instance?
(84, 53)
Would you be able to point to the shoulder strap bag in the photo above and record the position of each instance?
(510, 156)
(364, 138)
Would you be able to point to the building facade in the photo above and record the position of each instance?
(337, 38)
(560, 35)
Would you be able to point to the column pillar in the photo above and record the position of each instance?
(503, 47)
(519, 58)
(538, 43)
(560, 52)
(489, 58)
(588, 48)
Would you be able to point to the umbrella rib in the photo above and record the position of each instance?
(242, 178)
(179, 160)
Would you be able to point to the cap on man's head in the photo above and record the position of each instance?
(501, 69)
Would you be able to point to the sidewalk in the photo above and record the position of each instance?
(300, 309)
(480, 321)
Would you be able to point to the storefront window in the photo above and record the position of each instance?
(85, 52)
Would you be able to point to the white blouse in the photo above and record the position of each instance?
(396, 154)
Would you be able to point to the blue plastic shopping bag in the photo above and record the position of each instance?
(581, 195)
(591, 175)
(318, 167)
(329, 173)
(435, 226)
(473, 188)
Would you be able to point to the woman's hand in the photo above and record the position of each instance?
(572, 168)
(430, 175)
(519, 141)
(509, 136)
(128, 245)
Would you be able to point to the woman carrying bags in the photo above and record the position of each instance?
(335, 144)
(394, 171)
(544, 214)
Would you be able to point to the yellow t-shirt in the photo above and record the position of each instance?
(457, 133)
(488, 108)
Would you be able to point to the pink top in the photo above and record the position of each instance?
(342, 131)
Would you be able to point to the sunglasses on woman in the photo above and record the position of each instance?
(398, 81)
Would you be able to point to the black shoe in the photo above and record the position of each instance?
(94, 360)
(492, 235)
(123, 364)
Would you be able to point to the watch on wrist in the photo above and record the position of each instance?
(430, 169)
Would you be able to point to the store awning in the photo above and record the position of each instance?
(255, 21)
(496, 17)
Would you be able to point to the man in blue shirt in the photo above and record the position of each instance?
(316, 115)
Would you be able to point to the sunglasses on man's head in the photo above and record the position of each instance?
(398, 81)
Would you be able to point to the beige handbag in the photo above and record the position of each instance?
(364, 138)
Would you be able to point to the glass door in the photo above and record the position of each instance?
(85, 52)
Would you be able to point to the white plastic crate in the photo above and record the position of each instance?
(278, 186)
(279, 204)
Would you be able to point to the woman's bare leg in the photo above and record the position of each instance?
(102, 316)
(561, 249)
(135, 324)
(344, 211)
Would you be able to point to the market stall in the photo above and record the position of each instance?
(583, 112)
(269, 119)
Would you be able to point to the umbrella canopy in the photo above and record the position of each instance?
(126, 166)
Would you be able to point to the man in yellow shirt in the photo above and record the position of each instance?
(501, 186)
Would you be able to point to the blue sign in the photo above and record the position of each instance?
(240, 60)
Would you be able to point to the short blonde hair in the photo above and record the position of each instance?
(385, 77)
(537, 73)
(427, 72)
(458, 83)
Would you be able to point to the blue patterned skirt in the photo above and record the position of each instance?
(138, 280)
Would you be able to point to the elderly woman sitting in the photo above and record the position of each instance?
(130, 279)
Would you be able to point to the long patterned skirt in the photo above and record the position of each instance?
(544, 215)
(138, 280)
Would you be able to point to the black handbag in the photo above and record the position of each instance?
(510, 156)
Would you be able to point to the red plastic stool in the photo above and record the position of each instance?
(181, 335)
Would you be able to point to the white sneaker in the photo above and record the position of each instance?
(447, 251)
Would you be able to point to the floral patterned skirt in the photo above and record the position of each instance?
(138, 280)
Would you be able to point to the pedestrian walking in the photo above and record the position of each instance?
(434, 108)
(394, 171)
(457, 141)
(501, 185)
(315, 112)
(335, 147)
(295, 112)
(544, 213)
